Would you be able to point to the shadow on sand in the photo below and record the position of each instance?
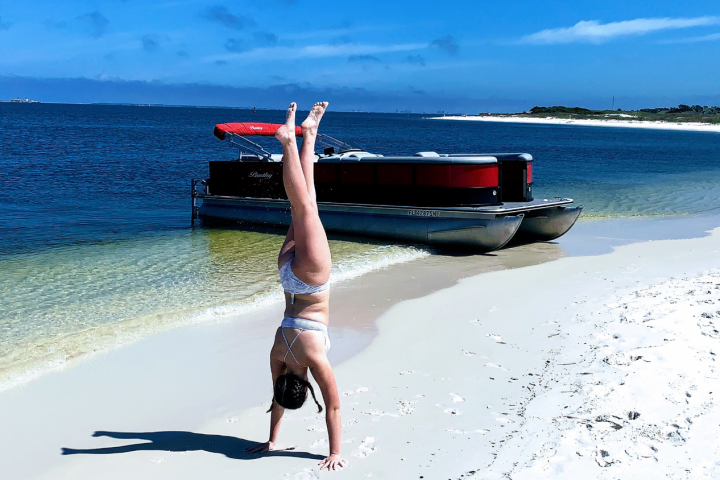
(231, 447)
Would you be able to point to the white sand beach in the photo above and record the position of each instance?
(633, 395)
(523, 363)
(609, 122)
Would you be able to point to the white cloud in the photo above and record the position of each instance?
(316, 51)
(705, 38)
(593, 31)
(349, 49)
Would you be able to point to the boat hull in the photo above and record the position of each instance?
(459, 228)
(547, 224)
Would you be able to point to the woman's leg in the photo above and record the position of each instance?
(288, 247)
(307, 163)
(312, 263)
(307, 150)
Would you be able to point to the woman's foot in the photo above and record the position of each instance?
(286, 133)
(310, 125)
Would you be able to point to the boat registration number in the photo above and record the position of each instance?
(423, 213)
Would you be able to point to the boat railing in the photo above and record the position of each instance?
(198, 189)
(329, 142)
(245, 145)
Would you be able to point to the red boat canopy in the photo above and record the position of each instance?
(250, 129)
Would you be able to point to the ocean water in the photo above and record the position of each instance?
(97, 248)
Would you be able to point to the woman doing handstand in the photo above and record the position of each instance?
(301, 342)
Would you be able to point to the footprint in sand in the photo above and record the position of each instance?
(504, 420)
(348, 393)
(407, 372)
(157, 459)
(316, 428)
(452, 411)
(306, 474)
(546, 450)
(621, 359)
(233, 419)
(465, 432)
(457, 398)
(497, 338)
(379, 413)
(468, 354)
(366, 448)
(493, 365)
(405, 407)
(362, 389)
(350, 423)
(317, 443)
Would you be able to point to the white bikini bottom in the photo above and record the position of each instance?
(305, 324)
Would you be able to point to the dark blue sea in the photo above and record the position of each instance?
(97, 247)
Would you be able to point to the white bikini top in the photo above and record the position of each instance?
(293, 285)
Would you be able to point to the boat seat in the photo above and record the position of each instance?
(500, 156)
(439, 160)
(356, 156)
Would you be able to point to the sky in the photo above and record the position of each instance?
(459, 56)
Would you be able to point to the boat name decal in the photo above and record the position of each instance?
(260, 175)
(255, 128)
(423, 213)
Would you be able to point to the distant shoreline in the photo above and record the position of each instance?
(655, 125)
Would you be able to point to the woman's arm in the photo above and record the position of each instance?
(275, 419)
(277, 368)
(323, 374)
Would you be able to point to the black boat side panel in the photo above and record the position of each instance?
(379, 184)
(516, 180)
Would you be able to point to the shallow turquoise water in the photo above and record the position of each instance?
(69, 301)
(97, 248)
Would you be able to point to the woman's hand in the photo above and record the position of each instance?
(261, 448)
(333, 462)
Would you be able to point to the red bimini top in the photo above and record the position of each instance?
(250, 129)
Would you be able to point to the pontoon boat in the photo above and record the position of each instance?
(475, 200)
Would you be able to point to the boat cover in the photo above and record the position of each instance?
(248, 129)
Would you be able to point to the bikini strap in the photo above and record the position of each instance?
(289, 345)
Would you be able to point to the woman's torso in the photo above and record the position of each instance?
(311, 306)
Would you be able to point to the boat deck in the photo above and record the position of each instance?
(519, 207)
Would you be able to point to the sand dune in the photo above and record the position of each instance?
(610, 122)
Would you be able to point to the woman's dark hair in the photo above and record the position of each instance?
(290, 391)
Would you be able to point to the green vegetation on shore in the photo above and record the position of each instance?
(679, 114)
